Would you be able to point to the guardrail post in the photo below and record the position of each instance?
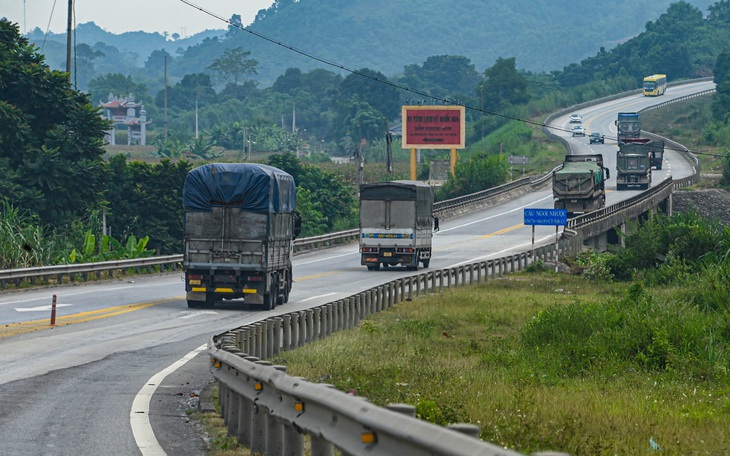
(403, 409)
(231, 417)
(277, 339)
(357, 314)
(245, 416)
(328, 317)
(302, 328)
(321, 447)
(275, 430)
(258, 423)
(258, 340)
(471, 430)
(310, 325)
(293, 438)
(317, 324)
(269, 325)
(286, 331)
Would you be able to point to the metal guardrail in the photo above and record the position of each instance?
(46, 274)
(270, 412)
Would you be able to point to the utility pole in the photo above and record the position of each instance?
(360, 163)
(389, 147)
(68, 38)
(165, 121)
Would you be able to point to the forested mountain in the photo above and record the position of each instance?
(383, 35)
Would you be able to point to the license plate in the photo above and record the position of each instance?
(387, 254)
(194, 282)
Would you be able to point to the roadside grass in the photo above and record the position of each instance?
(219, 443)
(542, 362)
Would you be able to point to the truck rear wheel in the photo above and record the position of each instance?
(278, 292)
(209, 302)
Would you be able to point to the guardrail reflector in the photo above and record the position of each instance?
(299, 406)
(258, 386)
(368, 437)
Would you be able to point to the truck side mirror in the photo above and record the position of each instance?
(608, 173)
(297, 223)
(435, 224)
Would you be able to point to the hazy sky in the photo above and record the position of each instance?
(118, 16)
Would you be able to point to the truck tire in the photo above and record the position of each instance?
(373, 267)
(208, 303)
(426, 263)
(287, 286)
(193, 304)
(278, 292)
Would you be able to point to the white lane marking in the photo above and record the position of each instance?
(317, 297)
(193, 314)
(484, 257)
(97, 290)
(329, 258)
(39, 308)
(139, 416)
(497, 215)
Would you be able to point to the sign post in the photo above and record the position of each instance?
(546, 217)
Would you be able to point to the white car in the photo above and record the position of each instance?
(576, 118)
(578, 130)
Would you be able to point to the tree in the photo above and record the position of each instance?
(288, 82)
(721, 99)
(443, 76)
(502, 86)
(233, 65)
(50, 136)
(373, 88)
(192, 88)
(117, 84)
(156, 60)
(235, 25)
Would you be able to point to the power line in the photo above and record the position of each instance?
(382, 81)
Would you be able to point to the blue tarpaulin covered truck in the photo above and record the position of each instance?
(239, 223)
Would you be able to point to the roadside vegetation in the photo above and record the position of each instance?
(624, 355)
(60, 187)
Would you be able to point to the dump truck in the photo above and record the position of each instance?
(579, 186)
(628, 125)
(239, 224)
(396, 224)
(634, 162)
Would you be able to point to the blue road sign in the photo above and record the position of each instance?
(546, 217)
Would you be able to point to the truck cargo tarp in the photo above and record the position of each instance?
(580, 169)
(248, 186)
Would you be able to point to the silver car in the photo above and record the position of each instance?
(578, 130)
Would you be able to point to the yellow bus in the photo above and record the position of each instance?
(655, 85)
